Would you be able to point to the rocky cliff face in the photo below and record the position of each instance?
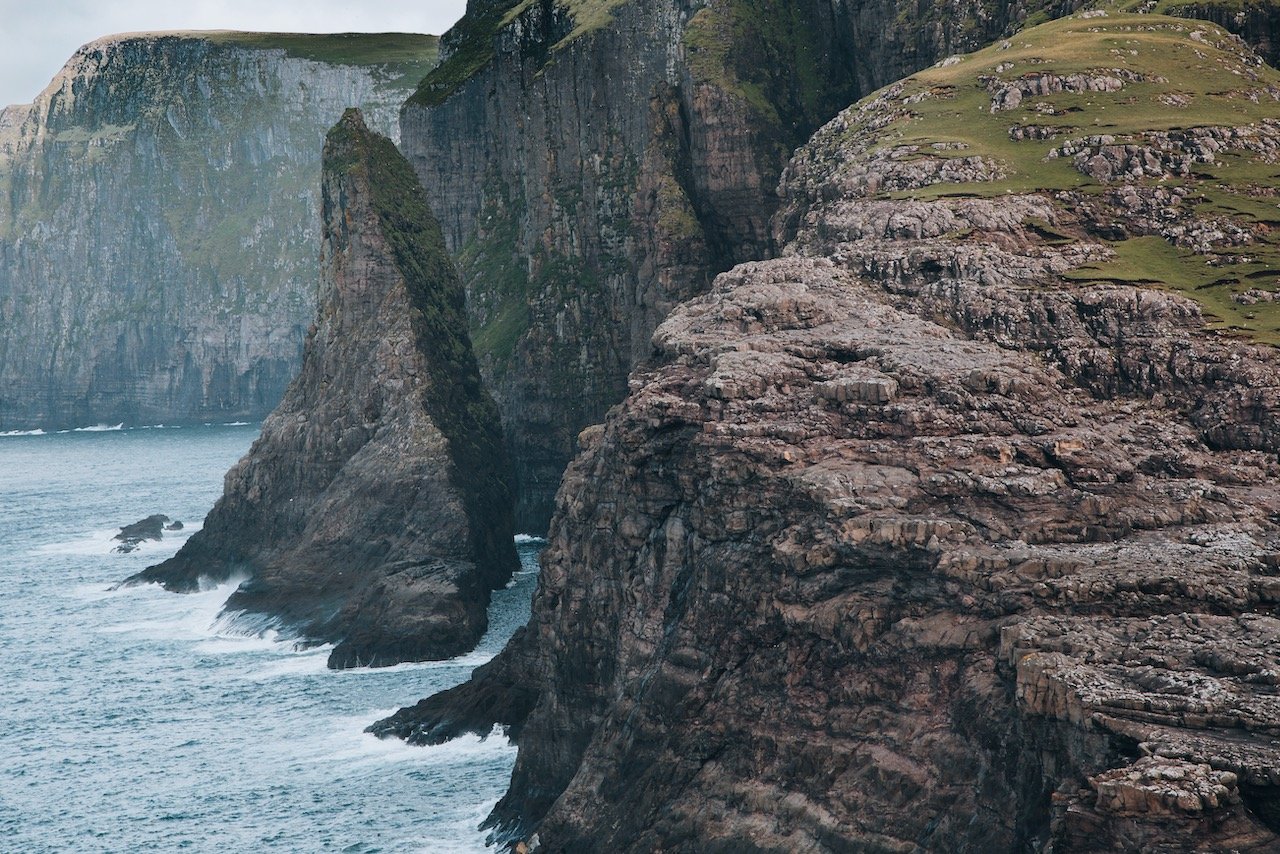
(951, 529)
(374, 511)
(158, 218)
(596, 163)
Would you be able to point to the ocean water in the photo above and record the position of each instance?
(132, 720)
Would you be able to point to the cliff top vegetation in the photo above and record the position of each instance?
(398, 55)
(1167, 102)
(471, 41)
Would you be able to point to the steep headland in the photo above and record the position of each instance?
(955, 527)
(158, 220)
(375, 510)
(596, 162)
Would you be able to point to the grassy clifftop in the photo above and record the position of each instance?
(399, 55)
(1080, 107)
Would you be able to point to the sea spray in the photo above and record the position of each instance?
(142, 720)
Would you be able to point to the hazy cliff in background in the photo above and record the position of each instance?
(159, 220)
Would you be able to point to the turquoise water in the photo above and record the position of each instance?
(134, 721)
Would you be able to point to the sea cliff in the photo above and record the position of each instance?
(594, 164)
(159, 214)
(954, 527)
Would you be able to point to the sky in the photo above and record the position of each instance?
(37, 38)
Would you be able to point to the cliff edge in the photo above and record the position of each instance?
(374, 511)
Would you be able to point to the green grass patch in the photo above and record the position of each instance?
(957, 106)
(1175, 82)
(472, 41)
(1152, 262)
(497, 338)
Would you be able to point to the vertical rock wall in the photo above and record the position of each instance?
(594, 164)
(159, 217)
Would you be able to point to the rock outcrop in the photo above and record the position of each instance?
(374, 511)
(596, 162)
(159, 217)
(930, 535)
(133, 535)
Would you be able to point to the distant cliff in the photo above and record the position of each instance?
(374, 511)
(956, 527)
(159, 215)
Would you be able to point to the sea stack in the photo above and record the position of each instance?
(375, 510)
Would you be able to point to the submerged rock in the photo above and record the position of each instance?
(374, 511)
(150, 528)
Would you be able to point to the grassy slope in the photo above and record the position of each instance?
(1213, 84)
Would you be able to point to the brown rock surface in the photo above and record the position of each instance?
(374, 510)
(907, 541)
(609, 159)
(899, 616)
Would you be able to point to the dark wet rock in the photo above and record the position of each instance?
(499, 693)
(374, 511)
(150, 528)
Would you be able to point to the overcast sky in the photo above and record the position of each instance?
(36, 37)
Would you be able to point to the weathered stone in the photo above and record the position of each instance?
(908, 540)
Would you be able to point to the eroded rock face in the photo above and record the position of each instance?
(858, 580)
(909, 541)
(610, 158)
(374, 511)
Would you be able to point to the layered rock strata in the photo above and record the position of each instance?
(915, 539)
(374, 511)
(596, 163)
(159, 216)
